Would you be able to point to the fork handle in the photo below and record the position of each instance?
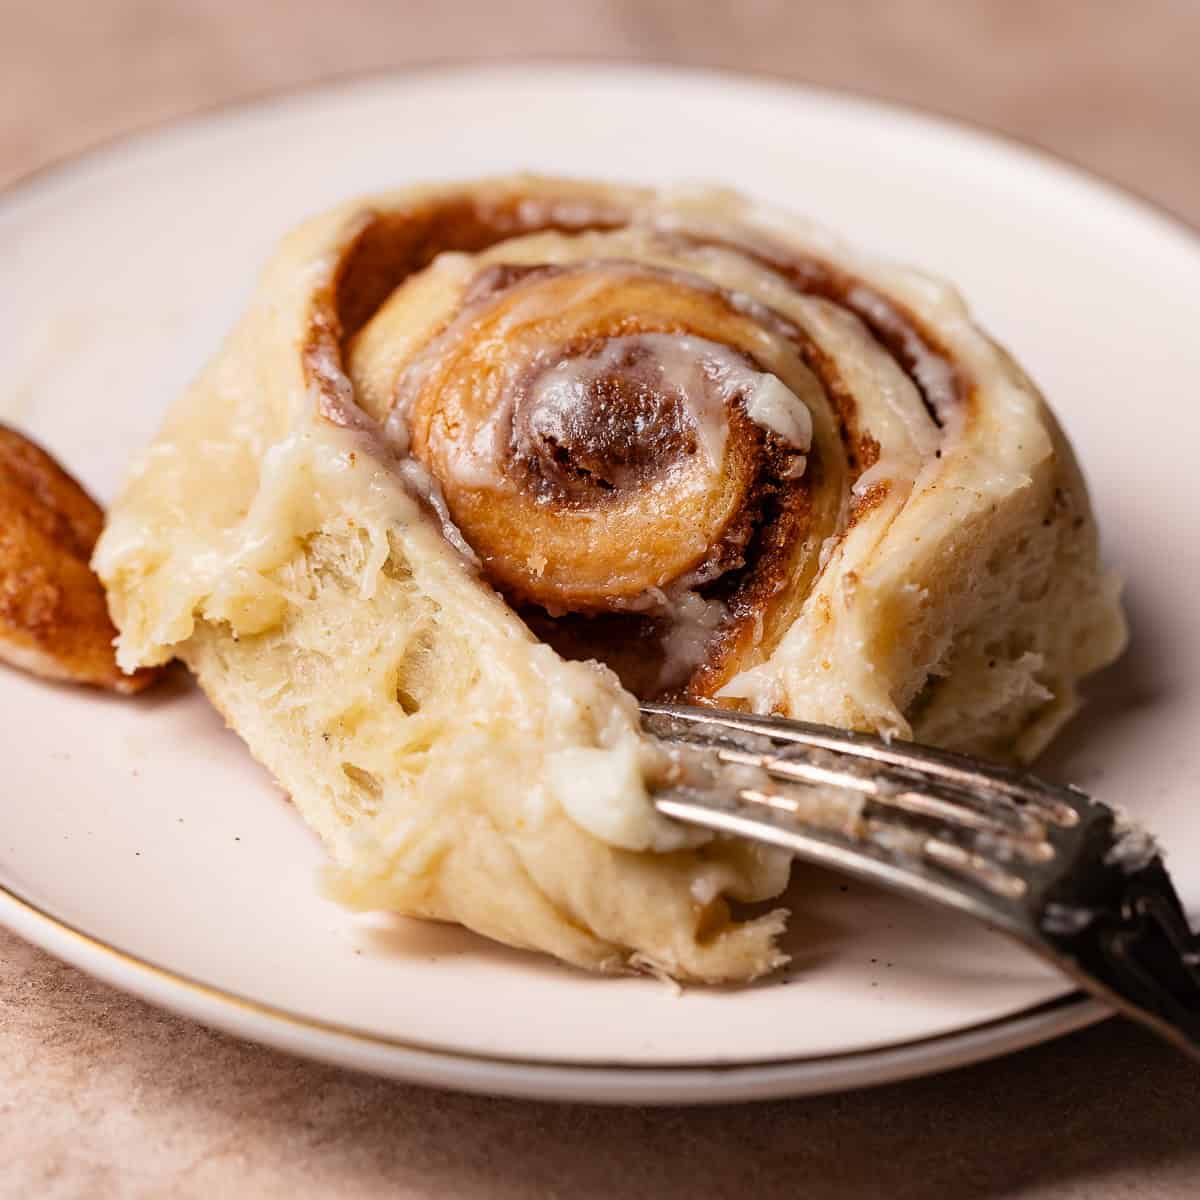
(1136, 952)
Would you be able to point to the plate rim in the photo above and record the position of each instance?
(529, 1078)
(599, 1082)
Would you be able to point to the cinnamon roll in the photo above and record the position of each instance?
(483, 463)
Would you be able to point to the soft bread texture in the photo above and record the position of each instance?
(458, 768)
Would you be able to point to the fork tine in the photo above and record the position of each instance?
(965, 809)
(1058, 805)
(985, 824)
(814, 844)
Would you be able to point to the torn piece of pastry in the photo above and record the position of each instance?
(53, 618)
(484, 462)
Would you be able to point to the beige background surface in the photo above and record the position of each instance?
(101, 1095)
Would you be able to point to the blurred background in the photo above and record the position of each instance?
(1113, 85)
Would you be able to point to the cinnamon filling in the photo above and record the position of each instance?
(607, 439)
(599, 422)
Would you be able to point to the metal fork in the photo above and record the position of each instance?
(1066, 876)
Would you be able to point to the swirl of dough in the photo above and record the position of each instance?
(593, 440)
(646, 429)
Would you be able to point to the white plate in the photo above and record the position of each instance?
(140, 841)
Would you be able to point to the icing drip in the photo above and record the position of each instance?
(774, 406)
(694, 620)
(702, 375)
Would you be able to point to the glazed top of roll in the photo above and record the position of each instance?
(642, 417)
